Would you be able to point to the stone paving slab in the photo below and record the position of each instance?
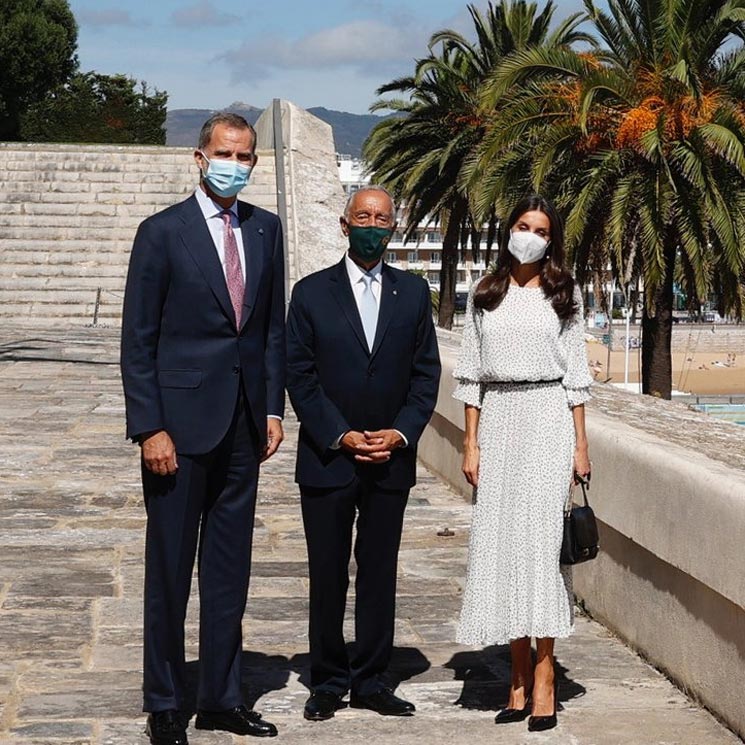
(71, 543)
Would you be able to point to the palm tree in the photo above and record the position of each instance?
(642, 145)
(419, 153)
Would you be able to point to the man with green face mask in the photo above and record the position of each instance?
(362, 372)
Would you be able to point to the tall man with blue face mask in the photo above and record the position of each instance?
(362, 373)
(203, 360)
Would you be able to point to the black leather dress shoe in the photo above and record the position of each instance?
(384, 702)
(239, 721)
(166, 728)
(321, 705)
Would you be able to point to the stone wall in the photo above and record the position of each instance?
(69, 214)
(668, 488)
(315, 198)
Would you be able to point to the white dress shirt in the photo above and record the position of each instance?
(212, 212)
(356, 278)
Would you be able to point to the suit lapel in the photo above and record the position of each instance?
(341, 289)
(252, 237)
(196, 237)
(388, 303)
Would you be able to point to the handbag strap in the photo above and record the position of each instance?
(570, 498)
(584, 486)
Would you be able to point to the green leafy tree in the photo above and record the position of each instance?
(38, 39)
(99, 108)
(642, 145)
(420, 153)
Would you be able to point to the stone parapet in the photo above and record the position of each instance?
(668, 487)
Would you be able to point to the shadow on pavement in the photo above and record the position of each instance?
(486, 679)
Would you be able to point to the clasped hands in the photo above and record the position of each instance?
(372, 447)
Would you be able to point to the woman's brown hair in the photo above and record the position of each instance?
(556, 281)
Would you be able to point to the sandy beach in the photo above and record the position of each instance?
(701, 373)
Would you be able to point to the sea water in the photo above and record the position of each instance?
(729, 412)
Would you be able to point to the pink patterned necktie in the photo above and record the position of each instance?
(233, 274)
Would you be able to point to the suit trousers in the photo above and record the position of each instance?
(328, 517)
(207, 506)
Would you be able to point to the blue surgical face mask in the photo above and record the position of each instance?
(225, 177)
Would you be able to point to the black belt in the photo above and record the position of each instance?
(525, 382)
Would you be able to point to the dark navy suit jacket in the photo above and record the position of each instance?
(336, 384)
(182, 358)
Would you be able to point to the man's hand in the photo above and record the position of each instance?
(274, 436)
(159, 454)
(371, 447)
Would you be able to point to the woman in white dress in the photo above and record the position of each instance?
(524, 379)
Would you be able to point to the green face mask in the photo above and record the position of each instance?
(368, 243)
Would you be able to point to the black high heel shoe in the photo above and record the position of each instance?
(507, 715)
(540, 724)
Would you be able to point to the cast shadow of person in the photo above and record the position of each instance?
(406, 663)
(260, 674)
(486, 679)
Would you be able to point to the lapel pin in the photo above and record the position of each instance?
(395, 292)
(261, 231)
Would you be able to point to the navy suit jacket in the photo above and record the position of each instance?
(336, 384)
(182, 357)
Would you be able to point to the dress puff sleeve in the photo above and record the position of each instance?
(577, 378)
(468, 368)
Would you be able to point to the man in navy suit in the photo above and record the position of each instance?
(362, 373)
(203, 367)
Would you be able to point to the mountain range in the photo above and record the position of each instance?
(350, 130)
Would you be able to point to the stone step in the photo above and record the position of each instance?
(65, 296)
(26, 284)
(67, 220)
(59, 234)
(65, 262)
(94, 201)
(42, 251)
(51, 314)
(84, 267)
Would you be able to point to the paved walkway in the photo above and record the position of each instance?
(71, 542)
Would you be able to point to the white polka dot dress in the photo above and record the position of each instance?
(515, 586)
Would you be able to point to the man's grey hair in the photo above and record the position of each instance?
(236, 121)
(369, 187)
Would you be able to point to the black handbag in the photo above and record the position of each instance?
(580, 541)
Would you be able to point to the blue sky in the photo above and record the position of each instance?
(209, 53)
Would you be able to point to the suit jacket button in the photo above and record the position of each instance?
(236, 369)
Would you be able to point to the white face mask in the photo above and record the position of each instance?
(527, 247)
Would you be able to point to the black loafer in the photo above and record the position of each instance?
(239, 721)
(166, 728)
(321, 705)
(383, 702)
